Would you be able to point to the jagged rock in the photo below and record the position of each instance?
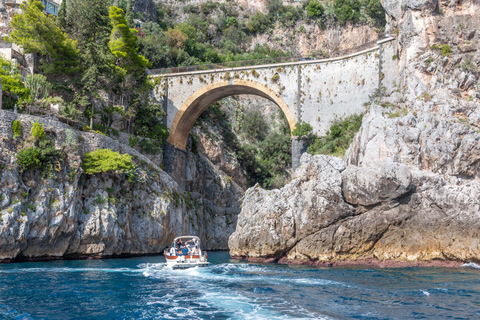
(415, 217)
(369, 186)
(424, 141)
(272, 222)
(470, 34)
(396, 8)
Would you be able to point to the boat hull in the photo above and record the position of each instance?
(183, 262)
(187, 265)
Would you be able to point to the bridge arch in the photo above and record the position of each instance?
(198, 102)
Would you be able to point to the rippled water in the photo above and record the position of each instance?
(144, 288)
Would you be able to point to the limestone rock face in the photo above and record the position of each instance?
(69, 214)
(370, 186)
(425, 141)
(272, 222)
(385, 213)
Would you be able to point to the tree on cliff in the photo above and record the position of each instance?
(88, 22)
(129, 65)
(37, 33)
(12, 87)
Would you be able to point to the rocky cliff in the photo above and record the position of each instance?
(407, 191)
(68, 214)
(381, 210)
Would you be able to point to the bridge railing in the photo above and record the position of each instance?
(267, 61)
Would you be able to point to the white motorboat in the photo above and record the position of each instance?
(185, 252)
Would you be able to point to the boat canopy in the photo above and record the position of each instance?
(187, 237)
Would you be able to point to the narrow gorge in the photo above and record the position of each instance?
(405, 191)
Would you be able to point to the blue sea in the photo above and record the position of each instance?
(145, 288)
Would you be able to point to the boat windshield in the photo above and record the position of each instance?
(186, 241)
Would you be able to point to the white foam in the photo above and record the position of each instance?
(471, 265)
(425, 293)
(63, 270)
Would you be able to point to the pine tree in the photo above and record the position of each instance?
(129, 13)
(124, 46)
(37, 33)
(61, 20)
(88, 22)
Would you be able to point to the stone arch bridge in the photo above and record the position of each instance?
(312, 91)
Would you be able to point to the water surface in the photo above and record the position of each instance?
(144, 288)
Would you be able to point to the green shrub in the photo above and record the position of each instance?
(275, 77)
(24, 194)
(71, 139)
(150, 146)
(147, 122)
(446, 50)
(17, 128)
(346, 10)
(231, 22)
(31, 207)
(314, 9)
(398, 113)
(132, 141)
(99, 200)
(259, 23)
(208, 7)
(375, 10)
(37, 130)
(303, 130)
(104, 160)
(29, 158)
(469, 65)
(338, 138)
(254, 126)
(190, 8)
(38, 85)
(114, 132)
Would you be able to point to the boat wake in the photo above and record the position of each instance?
(215, 292)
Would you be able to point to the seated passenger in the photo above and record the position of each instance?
(185, 251)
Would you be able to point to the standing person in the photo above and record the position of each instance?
(195, 247)
(178, 246)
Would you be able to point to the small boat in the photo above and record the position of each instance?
(185, 252)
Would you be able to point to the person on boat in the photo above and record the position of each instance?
(190, 246)
(185, 251)
(178, 244)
